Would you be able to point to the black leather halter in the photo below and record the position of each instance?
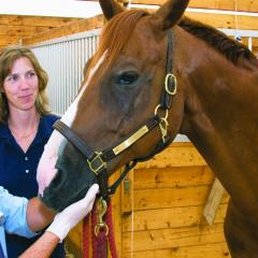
(97, 161)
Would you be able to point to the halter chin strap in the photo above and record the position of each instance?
(97, 161)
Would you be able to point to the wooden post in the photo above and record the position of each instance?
(214, 199)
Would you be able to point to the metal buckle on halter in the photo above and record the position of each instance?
(172, 77)
(97, 163)
(163, 124)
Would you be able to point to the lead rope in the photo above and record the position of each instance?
(86, 237)
(102, 233)
(111, 238)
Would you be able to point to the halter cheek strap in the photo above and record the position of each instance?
(97, 161)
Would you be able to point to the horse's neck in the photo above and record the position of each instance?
(221, 118)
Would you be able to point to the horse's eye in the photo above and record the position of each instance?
(127, 78)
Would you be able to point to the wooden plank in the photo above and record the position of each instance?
(74, 240)
(214, 250)
(242, 5)
(186, 216)
(168, 198)
(15, 31)
(213, 202)
(154, 178)
(173, 238)
(176, 155)
(6, 41)
(71, 28)
(226, 21)
(13, 27)
(34, 21)
(127, 193)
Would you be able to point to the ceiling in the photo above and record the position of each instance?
(50, 8)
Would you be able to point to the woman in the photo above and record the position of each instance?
(25, 126)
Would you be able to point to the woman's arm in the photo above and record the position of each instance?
(38, 215)
(63, 222)
(43, 247)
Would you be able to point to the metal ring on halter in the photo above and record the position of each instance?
(156, 111)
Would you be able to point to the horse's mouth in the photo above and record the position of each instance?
(67, 187)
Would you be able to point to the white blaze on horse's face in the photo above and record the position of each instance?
(46, 168)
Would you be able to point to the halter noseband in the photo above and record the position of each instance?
(97, 161)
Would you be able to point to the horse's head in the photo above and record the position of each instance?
(128, 108)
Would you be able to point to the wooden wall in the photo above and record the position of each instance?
(164, 208)
(158, 209)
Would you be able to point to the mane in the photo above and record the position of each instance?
(231, 49)
(116, 34)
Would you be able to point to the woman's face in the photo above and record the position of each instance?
(21, 85)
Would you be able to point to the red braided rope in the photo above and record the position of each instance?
(102, 248)
(99, 242)
(111, 238)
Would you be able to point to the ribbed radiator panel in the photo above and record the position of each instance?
(63, 60)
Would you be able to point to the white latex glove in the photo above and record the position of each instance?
(73, 214)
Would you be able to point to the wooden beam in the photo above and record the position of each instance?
(6, 41)
(242, 5)
(34, 21)
(82, 25)
(20, 31)
(226, 21)
(213, 202)
(13, 28)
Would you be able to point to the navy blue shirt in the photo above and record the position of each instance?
(18, 175)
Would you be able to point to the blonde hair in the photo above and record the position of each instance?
(7, 58)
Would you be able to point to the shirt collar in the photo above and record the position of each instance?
(44, 129)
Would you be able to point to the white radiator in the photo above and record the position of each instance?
(63, 59)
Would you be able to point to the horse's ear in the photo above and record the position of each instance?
(169, 14)
(110, 8)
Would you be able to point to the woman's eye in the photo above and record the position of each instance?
(30, 74)
(127, 78)
(12, 77)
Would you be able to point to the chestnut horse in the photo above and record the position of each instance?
(153, 76)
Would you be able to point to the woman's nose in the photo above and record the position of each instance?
(24, 82)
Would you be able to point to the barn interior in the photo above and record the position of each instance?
(171, 205)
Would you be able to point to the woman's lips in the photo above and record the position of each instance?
(26, 98)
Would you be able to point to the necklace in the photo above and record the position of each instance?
(22, 135)
(18, 136)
